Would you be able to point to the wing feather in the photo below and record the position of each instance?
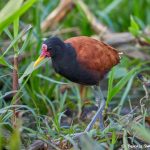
(93, 54)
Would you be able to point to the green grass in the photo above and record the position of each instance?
(42, 105)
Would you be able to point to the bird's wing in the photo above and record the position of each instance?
(93, 54)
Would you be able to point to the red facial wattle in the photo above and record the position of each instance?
(45, 52)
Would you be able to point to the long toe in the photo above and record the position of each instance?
(96, 116)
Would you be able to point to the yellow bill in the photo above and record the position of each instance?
(38, 61)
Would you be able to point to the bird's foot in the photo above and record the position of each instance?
(99, 98)
(99, 116)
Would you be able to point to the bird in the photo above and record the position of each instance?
(83, 60)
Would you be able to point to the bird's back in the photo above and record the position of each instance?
(94, 55)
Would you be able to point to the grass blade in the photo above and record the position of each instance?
(15, 14)
(5, 63)
(16, 39)
(5, 13)
(120, 85)
(125, 94)
(50, 79)
(125, 141)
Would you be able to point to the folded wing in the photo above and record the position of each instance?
(94, 55)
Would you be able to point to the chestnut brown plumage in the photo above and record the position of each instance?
(82, 60)
(94, 55)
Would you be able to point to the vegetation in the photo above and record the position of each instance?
(39, 106)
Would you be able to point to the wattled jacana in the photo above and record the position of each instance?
(82, 60)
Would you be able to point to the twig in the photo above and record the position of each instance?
(38, 144)
(62, 10)
(15, 87)
(97, 26)
(15, 74)
(116, 39)
(43, 145)
(63, 31)
(15, 78)
(15, 83)
(57, 15)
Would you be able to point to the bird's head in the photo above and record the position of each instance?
(50, 48)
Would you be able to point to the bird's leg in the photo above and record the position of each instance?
(99, 114)
(97, 95)
(101, 105)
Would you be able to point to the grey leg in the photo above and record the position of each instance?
(99, 114)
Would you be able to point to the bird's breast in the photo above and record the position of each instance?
(76, 73)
